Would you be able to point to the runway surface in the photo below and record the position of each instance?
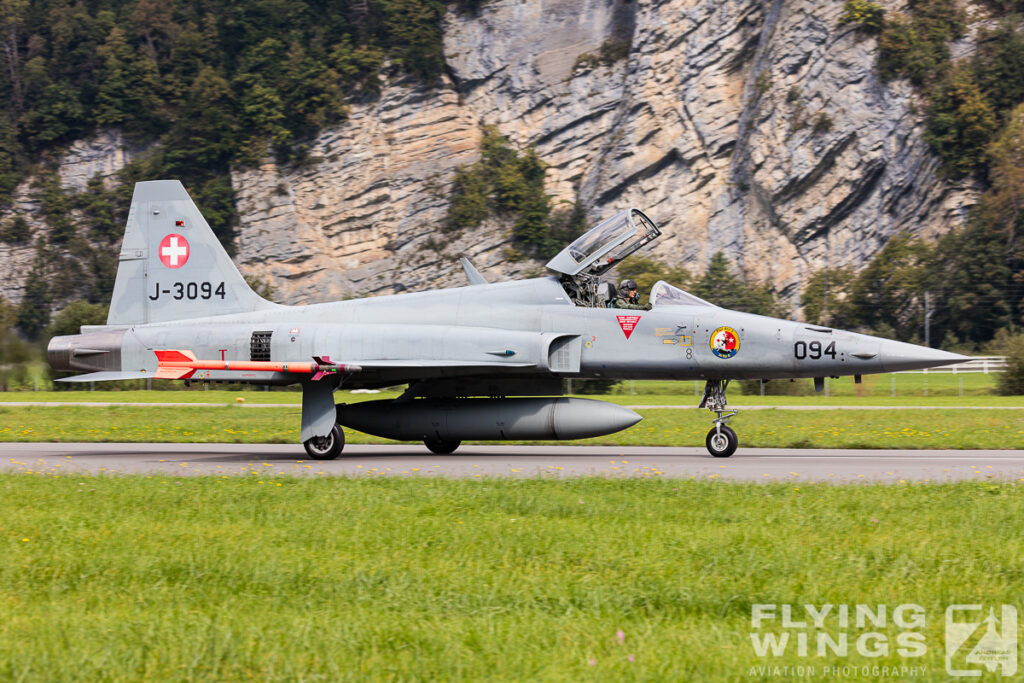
(753, 464)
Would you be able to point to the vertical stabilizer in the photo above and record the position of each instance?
(172, 267)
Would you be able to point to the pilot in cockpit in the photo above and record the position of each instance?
(628, 297)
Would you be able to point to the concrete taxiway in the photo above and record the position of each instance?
(750, 464)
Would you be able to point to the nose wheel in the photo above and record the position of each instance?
(721, 441)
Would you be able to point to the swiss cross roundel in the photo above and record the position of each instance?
(173, 251)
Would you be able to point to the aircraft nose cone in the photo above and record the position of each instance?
(896, 356)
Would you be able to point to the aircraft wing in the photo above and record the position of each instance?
(426, 364)
(106, 377)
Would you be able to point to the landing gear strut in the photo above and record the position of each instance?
(721, 440)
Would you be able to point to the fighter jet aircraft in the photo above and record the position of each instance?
(481, 362)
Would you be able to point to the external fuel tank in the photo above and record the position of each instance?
(487, 419)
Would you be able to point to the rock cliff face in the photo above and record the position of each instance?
(103, 155)
(758, 128)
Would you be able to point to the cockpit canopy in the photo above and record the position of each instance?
(664, 294)
(607, 243)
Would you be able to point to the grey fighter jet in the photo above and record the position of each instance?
(482, 362)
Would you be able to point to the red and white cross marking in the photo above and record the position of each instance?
(174, 251)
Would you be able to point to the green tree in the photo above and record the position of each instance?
(57, 115)
(10, 159)
(414, 36)
(915, 46)
(890, 290)
(13, 15)
(34, 311)
(468, 207)
(128, 95)
(205, 129)
(828, 298)
(99, 210)
(969, 278)
(76, 314)
(16, 231)
(153, 22)
(509, 183)
(14, 353)
(960, 122)
(719, 286)
(998, 64)
(532, 227)
(54, 205)
(647, 272)
(1003, 204)
(1010, 382)
(568, 221)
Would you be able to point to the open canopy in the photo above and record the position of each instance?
(606, 244)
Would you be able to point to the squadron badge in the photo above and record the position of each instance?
(725, 342)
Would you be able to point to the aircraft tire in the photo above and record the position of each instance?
(441, 447)
(326, 447)
(721, 445)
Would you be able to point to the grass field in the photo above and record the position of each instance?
(138, 578)
(235, 417)
(942, 428)
(901, 389)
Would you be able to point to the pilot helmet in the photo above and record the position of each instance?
(627, 285)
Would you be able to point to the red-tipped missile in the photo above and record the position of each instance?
(180, 364)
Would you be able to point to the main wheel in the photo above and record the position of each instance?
(326, 447)
(441, 447)
(721, 442)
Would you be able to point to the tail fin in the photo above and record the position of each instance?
(172, 266)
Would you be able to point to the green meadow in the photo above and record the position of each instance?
(668, 408)
(133, 578)
(941, 428)
(937, 388)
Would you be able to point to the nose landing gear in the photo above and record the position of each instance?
(721, 441)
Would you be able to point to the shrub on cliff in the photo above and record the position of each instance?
(960, 122)
(507, 182)
(869, 16)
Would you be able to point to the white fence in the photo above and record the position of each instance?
(984, 364)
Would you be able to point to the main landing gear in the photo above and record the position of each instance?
(441, 447)
(721, 440)
(326, 447)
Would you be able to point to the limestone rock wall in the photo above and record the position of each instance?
(756, 128)
(104, 155)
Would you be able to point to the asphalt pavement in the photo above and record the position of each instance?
(748, 464)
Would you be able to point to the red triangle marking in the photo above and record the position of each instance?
(627, 323)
